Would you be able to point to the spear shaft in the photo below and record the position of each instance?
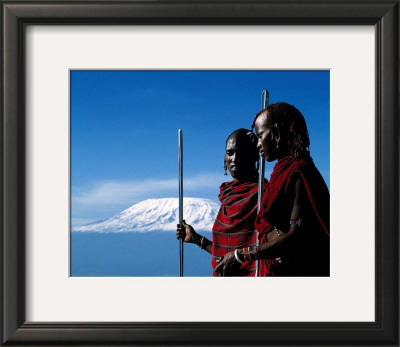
(180, 212)
(261, 173)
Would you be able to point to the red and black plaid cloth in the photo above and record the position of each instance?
(310, 256)
(234, 225)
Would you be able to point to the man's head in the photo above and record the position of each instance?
(281, 130)
(241, 154)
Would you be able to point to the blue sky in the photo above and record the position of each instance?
(124, 130)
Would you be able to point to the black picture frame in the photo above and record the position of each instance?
(16, 15)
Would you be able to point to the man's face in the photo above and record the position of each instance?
(266, 143)
(238, 160)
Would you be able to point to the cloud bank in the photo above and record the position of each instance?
(104, 198)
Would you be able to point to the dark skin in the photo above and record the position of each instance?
(269, 136)
(241, 166)
(238, 161)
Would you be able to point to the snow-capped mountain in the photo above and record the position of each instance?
(157, 215)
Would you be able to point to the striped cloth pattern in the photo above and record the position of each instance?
(234, 224)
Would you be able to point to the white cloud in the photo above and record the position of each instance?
(104, 198)
(119, 192)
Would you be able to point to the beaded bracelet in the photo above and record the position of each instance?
(298, 222)
(202, 243)
(251, 253)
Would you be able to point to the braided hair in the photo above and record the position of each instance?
(292, 126)
(248, 139)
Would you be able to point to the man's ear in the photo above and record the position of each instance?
(276, 131)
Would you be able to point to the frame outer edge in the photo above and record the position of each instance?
(390, 185)
(12, 180)
(12, 199)
(387, 171)
(197, 11)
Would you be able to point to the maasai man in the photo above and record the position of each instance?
(234, 224)
(293, 222)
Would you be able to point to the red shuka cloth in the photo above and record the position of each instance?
(234, 224)
(311, 257)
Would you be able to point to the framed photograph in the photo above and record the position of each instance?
(75, 75)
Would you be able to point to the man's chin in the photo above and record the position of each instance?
(240, 177)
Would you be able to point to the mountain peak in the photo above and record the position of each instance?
(157, 215)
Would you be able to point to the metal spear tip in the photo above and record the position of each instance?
(265, 98)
